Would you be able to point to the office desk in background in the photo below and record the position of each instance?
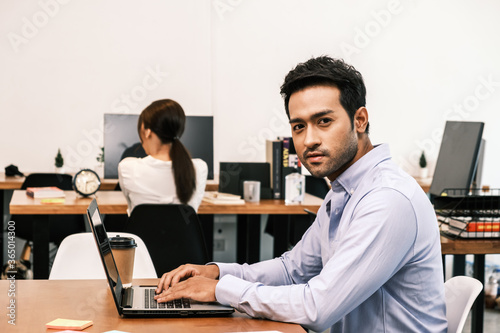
(41, 301)
(113, 202)
(11, 183)
(15, 183)
(479, 248)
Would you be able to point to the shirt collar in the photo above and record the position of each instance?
(351, 178)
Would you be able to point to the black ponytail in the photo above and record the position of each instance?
(184, 172)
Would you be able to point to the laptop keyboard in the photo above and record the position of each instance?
(150, 302)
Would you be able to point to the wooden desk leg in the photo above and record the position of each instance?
(207, 226)
(478, 307)
(41, 247)
(248, 239)
(458, 264)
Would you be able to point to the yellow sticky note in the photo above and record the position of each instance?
(52, 201)
(69, 324)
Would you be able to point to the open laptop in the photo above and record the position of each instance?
(138, 301)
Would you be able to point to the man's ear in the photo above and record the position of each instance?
(361, 120)
(147, 133)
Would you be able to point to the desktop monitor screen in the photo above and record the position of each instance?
(458, 156)
(121, 134)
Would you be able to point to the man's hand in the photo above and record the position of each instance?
(198, 288)
(184, 272)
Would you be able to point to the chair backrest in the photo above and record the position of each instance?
(63, 181)
(317, 186)
(460, 293)
(77, 258)
(172, 234)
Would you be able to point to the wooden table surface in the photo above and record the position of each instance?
(470, 246)
(41, 301)
(110, 202)
(113, 202)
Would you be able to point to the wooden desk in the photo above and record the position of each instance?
(479, 248)
(15, 183)
(248, 224)
(269, 206)
(113, 202)
(110, 202)
(41, 301)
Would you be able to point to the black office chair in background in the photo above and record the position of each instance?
(60, 225)
(172, 233)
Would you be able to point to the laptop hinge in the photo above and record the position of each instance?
(128, 298)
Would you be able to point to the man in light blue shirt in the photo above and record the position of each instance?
(371, 261)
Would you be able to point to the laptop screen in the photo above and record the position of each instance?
(104, 249)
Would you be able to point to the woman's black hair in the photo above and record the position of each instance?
(166, 119)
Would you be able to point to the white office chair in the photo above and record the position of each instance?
(78, 259)
(460, 293)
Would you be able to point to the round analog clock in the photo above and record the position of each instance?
(86, 182)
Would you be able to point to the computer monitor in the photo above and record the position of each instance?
(477, 182)
(120, 134)
(458, 156)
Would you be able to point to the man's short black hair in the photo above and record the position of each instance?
(331, 72)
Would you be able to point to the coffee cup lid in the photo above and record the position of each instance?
(122, 242)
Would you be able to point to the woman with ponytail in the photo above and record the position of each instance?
(167, 174)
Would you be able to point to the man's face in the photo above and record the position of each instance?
(322, 132)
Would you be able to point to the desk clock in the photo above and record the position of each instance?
(86, 182)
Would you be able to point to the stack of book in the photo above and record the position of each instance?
(282, 157)
(44, 192)
(219, 198)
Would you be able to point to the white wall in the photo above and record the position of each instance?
(66, 64)
(424, 62)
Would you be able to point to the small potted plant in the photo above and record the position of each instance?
(59, 162)
(424, 172)
(99, 168)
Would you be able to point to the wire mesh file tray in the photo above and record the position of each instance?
(469, 213)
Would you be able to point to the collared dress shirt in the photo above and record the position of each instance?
(371, 261)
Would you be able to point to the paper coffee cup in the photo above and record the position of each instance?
(124, 253)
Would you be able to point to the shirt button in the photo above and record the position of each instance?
(336, 211)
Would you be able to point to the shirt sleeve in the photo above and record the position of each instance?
(380, 235)
(124, 178)
(201, 170)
